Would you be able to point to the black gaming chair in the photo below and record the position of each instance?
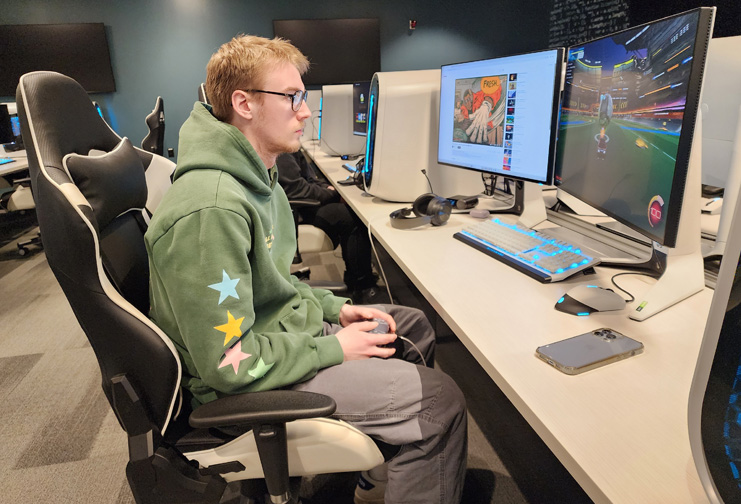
(91, 189)
(155, 140)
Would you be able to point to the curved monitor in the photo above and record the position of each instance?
(627, 121)
(500, 115)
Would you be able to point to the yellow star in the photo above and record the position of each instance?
(231, 328)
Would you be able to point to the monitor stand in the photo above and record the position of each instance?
(528, 204)
(680, 268)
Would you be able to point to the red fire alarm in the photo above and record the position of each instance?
(412, 24)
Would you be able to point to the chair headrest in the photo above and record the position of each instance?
(113, 183)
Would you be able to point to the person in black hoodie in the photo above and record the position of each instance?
(299, 181)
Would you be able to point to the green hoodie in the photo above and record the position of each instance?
(220, 247)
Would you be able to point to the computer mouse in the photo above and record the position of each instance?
(586, 299)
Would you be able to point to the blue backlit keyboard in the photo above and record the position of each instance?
(535, 253)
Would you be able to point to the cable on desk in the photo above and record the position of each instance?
(380, 267)
(632, 298)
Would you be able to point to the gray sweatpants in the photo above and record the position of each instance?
(401, 403)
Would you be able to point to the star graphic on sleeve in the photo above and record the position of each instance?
(234, 356)
(231, 328)
(227, 287)
(260, 369)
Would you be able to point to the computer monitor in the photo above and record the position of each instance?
(6, 126)
(341, 51)
(360, 91)
(628, 120)
(500, 115)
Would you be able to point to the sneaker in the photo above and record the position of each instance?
(369, 490)
(371, 295)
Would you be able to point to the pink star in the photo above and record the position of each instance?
(234, 356)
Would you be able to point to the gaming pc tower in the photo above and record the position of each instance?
(402, 140)
(311, 128)
(337, 138)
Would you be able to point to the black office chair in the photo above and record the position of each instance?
(91, 211)
(155, 140)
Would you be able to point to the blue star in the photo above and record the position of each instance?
(226, 288)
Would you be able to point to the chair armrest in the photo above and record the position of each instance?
(273, 406)
(303, 203)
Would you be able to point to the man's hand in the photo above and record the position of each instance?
(358, 344)
(355, 340)
(351, 313)
(477, 130)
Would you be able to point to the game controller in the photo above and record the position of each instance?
(383, 328)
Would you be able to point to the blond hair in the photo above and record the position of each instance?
(242, 63)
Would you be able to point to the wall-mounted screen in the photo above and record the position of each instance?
(341, 51)
(77, 50)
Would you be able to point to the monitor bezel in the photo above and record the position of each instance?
(555, 116)
(684, 147)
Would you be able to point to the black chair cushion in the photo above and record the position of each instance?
(112, 183)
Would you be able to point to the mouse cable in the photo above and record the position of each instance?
(380, 266)
(632, 298)
(404, 338)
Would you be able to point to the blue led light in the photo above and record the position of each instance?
(560, 301)
(583, 314)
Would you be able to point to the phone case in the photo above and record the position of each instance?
(589, 351)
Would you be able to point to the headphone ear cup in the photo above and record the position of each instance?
(439, 210)
(421, 203)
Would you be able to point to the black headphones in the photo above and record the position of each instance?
(427, 208)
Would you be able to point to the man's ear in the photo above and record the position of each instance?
(242, 104)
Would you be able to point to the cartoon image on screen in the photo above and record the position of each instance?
(479, 110)
(624, 102)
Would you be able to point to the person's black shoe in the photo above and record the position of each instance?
(371, 295)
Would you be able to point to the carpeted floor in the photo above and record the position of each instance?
(61, 442)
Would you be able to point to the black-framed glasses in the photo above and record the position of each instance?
(296, 97)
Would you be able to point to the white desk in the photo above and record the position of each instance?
(19, 164)
(621, 430)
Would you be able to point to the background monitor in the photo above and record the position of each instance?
(341, 51)
(500, 115)
(78, 50)
(360, 91)
(627, 121)
(6, 126)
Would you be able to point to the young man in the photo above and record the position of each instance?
(298, 179)
(220, 247)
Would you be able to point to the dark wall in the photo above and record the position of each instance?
(727, 17)
(161, 47)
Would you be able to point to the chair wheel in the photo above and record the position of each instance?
(22, 251)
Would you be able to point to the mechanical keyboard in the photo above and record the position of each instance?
(535, 253)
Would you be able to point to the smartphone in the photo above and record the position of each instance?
(589, 350)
